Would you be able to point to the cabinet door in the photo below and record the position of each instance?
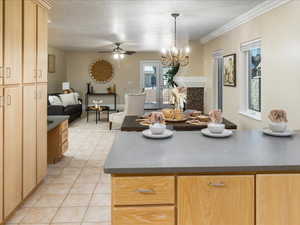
(211, 200)
(41, 132)
(42, 44)
(13, 42)
(29, 65)
(29, 139)
(278, 199)
(1, 42)
(1, 153)
(12, 149)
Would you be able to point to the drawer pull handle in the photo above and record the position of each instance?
(221, 184)
(145, 191)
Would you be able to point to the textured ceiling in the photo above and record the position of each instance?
(143, 25)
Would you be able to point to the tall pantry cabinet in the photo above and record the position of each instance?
(23, 100)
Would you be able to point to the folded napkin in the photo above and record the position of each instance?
(278, 116)
(216, 116)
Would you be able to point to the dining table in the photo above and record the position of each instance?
(131, 123)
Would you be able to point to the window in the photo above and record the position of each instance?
(251, 105)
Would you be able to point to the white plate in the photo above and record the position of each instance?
(226, 133)
(167, 133)
(287, 133)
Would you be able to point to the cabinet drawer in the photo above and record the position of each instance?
(160, 215)
(143, 190)
(64, 125)
(64, 136)
(64, 147)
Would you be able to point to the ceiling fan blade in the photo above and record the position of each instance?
(129, 52)
(105, 51)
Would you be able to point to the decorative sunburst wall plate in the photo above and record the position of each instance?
(101, 71)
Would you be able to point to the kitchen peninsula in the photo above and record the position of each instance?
(248, 179)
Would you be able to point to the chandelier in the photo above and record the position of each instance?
(175, 56)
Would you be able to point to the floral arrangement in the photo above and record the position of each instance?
(278, 116)
(156, 117)
(216, 116)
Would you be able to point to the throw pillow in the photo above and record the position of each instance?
(68, 99)
(55, 100)
(76, 96)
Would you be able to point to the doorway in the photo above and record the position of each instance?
(154, 83)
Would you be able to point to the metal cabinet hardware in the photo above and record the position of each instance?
(145, 191)
(221, 184)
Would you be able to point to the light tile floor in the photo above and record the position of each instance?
(75, 191)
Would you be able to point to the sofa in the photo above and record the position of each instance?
(74, 110)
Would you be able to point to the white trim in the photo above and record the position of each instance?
(246, 46)
(258, 10)
(218, 53)
(256, 116)
(191, 81)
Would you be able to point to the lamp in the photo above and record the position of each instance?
(174, 55)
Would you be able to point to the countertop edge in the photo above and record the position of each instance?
(205, 170)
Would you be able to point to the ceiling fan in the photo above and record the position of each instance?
(117, 51)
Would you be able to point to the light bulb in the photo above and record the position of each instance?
(187, 50)
(174, 50)
(116, 55)
(122, 56)
(163, 51)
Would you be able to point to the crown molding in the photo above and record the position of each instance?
(46, 3)
(258, 10)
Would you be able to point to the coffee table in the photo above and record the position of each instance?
(130, 124)
(98, 110)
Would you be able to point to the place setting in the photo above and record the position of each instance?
(157, 127)
(278, 124)
(215, 128)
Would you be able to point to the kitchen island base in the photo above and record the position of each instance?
(254, 199)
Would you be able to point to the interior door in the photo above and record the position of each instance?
(12, 149)
(29, 139)
(211, 200)
(29, 65)
(1, 42)
(1, 152)
(42, 44)
(41, 132)
(13, 42)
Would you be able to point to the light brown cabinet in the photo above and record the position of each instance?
(210, 200)
(41, 131)
(1, 152)
(278, 199)
(154, 215)
(1, 43)
(13, 42)
(57, 142)
(143, 190)
(29, 42)
(29, 139)
(12, 148)
(42, 44)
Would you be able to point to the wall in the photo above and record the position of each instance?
(280, 33)
(126, 74)
(55, 79)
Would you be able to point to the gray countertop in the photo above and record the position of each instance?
(56, 120)
(190, 152)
